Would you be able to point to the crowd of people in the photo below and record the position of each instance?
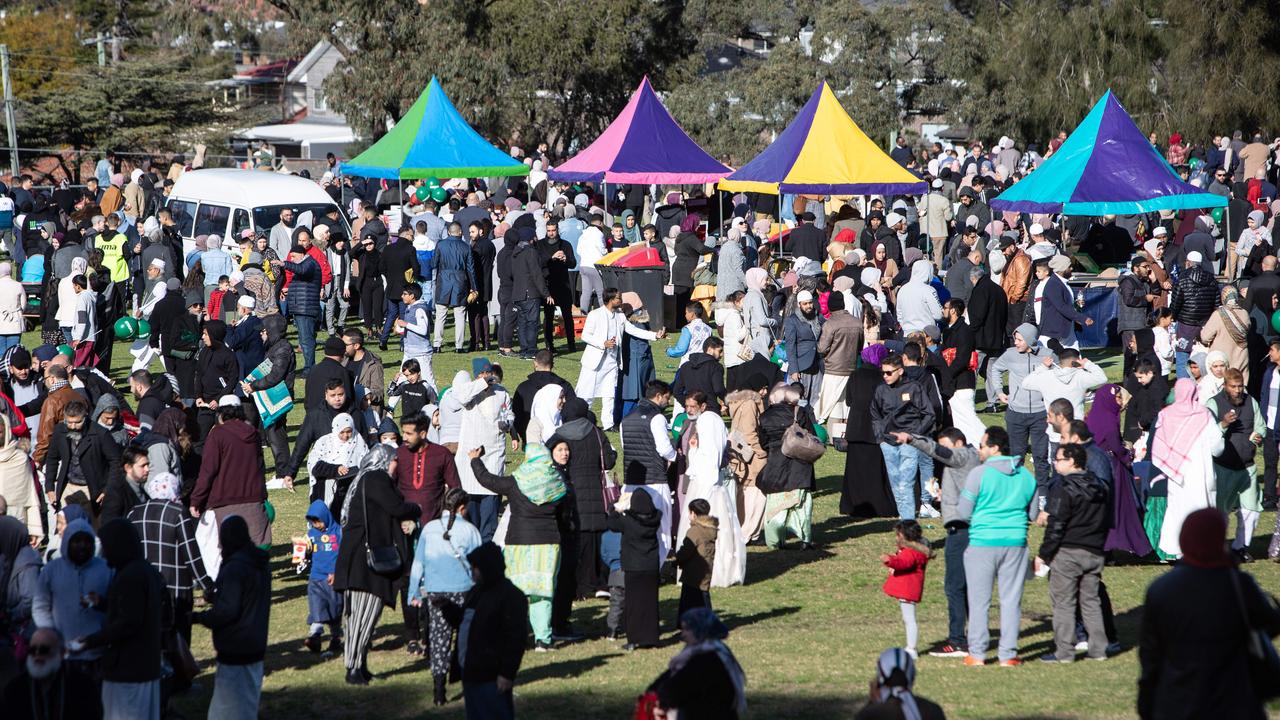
(136, 503)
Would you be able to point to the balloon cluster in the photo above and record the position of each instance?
(128, 328)
(431, 189)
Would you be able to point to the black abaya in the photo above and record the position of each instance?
(865, 491)
(641, 614)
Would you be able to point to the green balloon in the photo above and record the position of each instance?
(439, 194)
(422, 193)
(677, 426)
(144, 330)
(1216, 214)
(126, 328)
(433, 183)
(1275, 321)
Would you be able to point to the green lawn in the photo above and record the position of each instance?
(806, 627)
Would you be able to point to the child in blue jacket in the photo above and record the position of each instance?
(324, 604)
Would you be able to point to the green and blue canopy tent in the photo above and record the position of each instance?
(432, 140)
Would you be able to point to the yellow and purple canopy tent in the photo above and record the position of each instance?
(824, 152)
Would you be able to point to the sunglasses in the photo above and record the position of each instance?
(887, 373)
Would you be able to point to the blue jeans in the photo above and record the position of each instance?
(394, 311)
(1180, 359)
(306, 325)
(901, 462)
(484, 702)
(482, 511)
(926, 474)
(8, 341)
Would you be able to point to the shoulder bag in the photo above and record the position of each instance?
(382, 559)
(610, 490)
(1260, 652)
(799, 443)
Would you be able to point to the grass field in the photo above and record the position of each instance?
(806, 627)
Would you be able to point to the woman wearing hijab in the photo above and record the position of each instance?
(13, 300)
(535, 493)
(703, 680)
(637, 519)
(1212, 376)
(865, 492)
(730, 276)
(689, 249)
(891, 697)
(374, 515)
(168, 535)
(872, 279)
(755, 312)
(706, 453)
(334, 459)
(1227, 331)
(880, 260)
(544, 414)
(1103, 419)
(788, 483)
(19, 577)
(66, 315)
(630, 228)
(1183, 445)
(1196, 625)
(17, 481)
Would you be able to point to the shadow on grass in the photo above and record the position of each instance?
(395, 701)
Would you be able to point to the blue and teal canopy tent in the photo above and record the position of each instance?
(433, 141)
(1106, 167)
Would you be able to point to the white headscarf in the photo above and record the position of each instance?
(546, 410)
(331, 449)
(706, 459)
(896, 660)
(871, 278)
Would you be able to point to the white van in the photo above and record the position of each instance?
(226, 201)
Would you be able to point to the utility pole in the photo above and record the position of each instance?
(9, 121)
(101, 41)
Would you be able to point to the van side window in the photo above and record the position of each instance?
(211, 219)
(240, 223)
(183, 215)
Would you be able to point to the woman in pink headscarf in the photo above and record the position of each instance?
(1183, 445)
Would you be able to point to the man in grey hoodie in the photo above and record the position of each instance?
(1024, 415)
(957, 460)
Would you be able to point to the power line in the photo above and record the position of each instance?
(116, 76)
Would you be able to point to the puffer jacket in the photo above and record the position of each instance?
(1195, 297)
(304, 287)
(279, 352)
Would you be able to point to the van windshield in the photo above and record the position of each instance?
(266, 216)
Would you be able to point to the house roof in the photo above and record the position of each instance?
(299, 72)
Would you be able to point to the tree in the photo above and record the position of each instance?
(42, 44)
(151, 102)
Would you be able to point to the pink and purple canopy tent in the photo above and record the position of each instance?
(644, 144)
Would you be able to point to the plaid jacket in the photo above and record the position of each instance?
(169, 543)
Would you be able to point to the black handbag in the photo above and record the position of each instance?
(1260, 652)
(382, 559)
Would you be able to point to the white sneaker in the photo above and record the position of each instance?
(1082, 646)
(927, 511)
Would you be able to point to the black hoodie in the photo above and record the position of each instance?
(494, 642)
(137, 607)
(639, 527)
(701, 372)
(217, 370)
(242, 600)
(279, 352)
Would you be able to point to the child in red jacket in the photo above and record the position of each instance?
(906, 575)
